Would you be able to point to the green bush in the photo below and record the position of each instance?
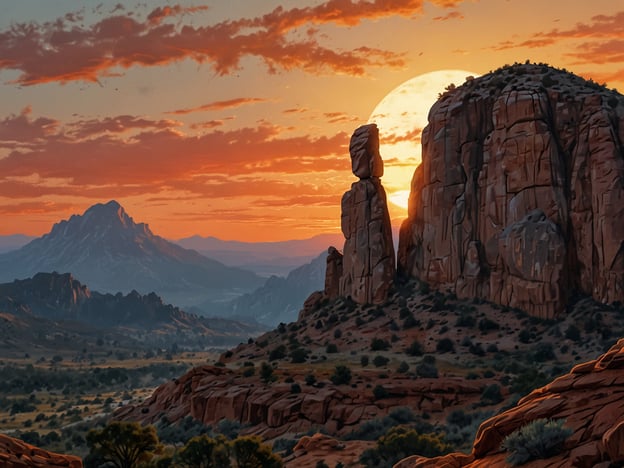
(401, 442)
(377, 344)
(380, 392)
(491, 395)
(445, 345)
(380, 361)
(341, 375)
(414, 349)
(541, 438)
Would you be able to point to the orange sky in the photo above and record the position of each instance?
(232, 119)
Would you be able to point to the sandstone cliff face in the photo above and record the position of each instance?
(367, 266)
(210, 394)
(520, 194)
(590, 399)
(17, 454)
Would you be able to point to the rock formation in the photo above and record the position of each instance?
(589, 398)
(520, 194)
(210, 394)
(15, 453)
(368, 266)
(333, 273)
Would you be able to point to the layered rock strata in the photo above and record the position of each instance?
(590, 399)
(210, 394)
(15, 453)
(368, 265)
(520, 194)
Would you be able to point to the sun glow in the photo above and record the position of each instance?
(401, 117)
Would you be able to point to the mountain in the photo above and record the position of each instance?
(106, 249)
(279, 299)
(13, 242)
(263, 258)
(51, 302)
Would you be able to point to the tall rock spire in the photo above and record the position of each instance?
(368, 266)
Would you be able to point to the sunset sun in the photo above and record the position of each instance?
(401, 116)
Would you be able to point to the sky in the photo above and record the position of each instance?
(232, 118)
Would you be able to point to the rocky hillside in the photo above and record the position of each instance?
(279, 299)
(51, 303)
(518, 199)
(422, 352)
(106, 249)
(590, 399)
(17, 454)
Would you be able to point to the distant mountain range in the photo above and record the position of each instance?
(106, 249)
(279, 299)
(263, 258)
(49, 303)
(13, 242)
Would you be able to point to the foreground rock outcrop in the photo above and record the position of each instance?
(520, 194)
(590, 399)
(367, 267)
(210, 394)
(17, 454)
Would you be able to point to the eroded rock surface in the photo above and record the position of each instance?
(210, 394)
(590, 399)
(15, 453)
(523, 138)
(368, 265)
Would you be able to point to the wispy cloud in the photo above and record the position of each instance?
(603, 40)
(64, 51)
(219, 105)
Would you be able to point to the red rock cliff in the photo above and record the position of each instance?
(520, 194)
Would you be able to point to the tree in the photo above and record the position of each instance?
(204, 452)
(123, 444)
(250, 452)
(266, 373)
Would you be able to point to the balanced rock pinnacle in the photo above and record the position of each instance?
(368, 266)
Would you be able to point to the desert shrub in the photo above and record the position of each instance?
(427, 370)
(414, 349)
(543, 352)
(486, 324)
(403, 367)
(295, 388)
(541, 438)
(380, 361)
(410, 322)
(401, 442)
(331, 348)
(459, 418)
(266, 373)
(310, 379)
(573, 333)
(477, 350)
(299, 355)
(284, 446)
(377, 344)
(341, 375)
(524, 336)
(277, 353)
(465, 320)
(491, 395)
(445, 345)
(380, 392)
(364, 361)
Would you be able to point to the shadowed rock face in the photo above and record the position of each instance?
(367, 266)
(498, 148)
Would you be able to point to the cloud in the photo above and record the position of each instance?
(603, 34)
(139, 156)
(64, 51)
(219, 105)
(451, 15)
(31, 208)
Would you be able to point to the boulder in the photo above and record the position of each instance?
(366, 160)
